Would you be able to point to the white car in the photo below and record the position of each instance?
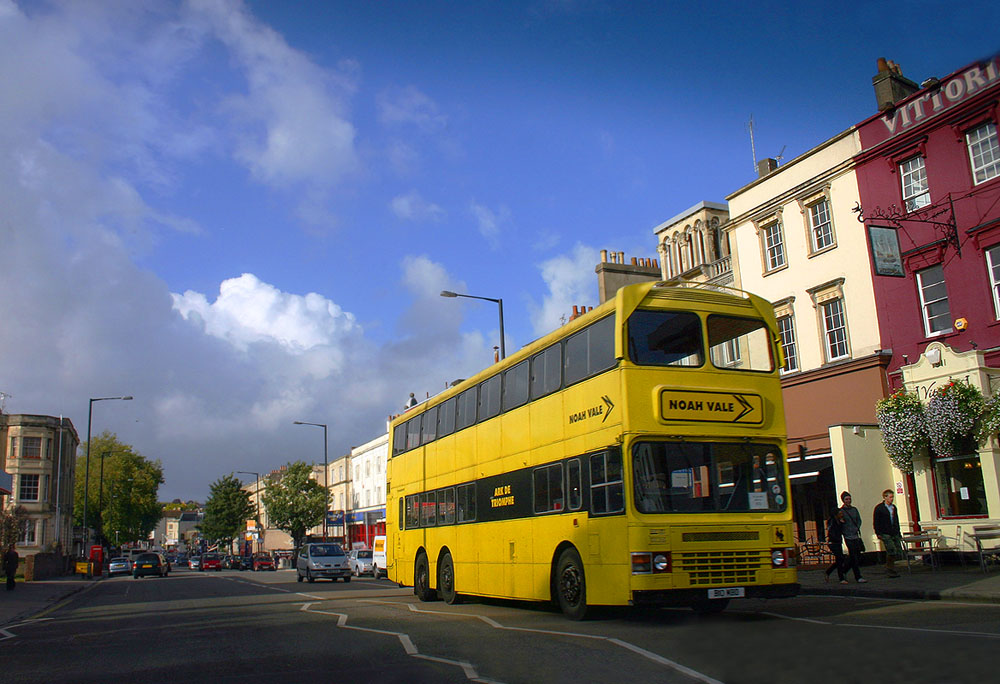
(361, 562)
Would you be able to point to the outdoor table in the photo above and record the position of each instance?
(984, 534)
(916, 540)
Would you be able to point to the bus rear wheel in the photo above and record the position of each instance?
(422, 579)
(446, 580)
(571, 585)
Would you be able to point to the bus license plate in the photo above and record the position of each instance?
(729, 592)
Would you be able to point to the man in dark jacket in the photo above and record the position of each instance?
(10, 561)
(851, 530)
(885, 520)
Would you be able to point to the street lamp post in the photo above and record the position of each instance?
(86, 479)
(499, 302)
(257, 492)
(326, 473)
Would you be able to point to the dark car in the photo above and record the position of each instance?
(150, 564)
(211, 561)
(246, 563)
(263, 561)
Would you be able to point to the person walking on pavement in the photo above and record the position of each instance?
(885, 520)
(10, 561)
(851, 530)
(834, 537)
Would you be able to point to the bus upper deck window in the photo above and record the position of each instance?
(665, 338)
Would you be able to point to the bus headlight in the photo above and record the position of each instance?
(661, 562)
(779, 558)
(647, 563)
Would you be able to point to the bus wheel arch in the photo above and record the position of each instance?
(569, 584)
(422, 577)
(446, 578)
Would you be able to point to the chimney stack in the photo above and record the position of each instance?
(766, 166)
(890, 84)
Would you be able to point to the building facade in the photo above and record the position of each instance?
(366, 517)
(694, 247)
(39, 452)
(929, 182)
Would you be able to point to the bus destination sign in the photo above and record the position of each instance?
(712, 407)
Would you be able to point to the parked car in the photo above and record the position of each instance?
(263, 561)
(195, 562)
(322, 561)
(211, 561)
(361, 562)
(119, 566)
(150, 564)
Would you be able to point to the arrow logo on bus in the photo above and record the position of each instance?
(611, 406)
(747, 408)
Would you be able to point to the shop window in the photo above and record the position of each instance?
(959, 486)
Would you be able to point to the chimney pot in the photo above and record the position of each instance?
(635, 261)
(604, 256)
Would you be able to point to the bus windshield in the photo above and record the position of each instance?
(675, 338)
(708, 477)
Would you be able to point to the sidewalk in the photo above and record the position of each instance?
(31, 598)
(951, 582)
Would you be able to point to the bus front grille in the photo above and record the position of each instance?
(721, 567)
(720, 536)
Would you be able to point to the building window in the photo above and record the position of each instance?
(28, 490)
(13, 447)
(31, 447)
(786, 330)
(993, 264)
(913, 176)
(960, 490)
(934, 300)
(835, 329)
(821, 225)
(28, 533)
(774, 247)
(984, 152)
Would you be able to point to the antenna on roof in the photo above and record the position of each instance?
(781, 155)
(753, 148)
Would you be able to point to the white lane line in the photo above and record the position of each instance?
(928, 630)
(10, 635)
(310, 596)
(658, 659)
(408, 646)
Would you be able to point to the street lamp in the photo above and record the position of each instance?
(448, 293)
(326, 474)
(257, 475)
(86, 479)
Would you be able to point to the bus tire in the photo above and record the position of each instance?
(446, 580)
(571, 585)
(422, 579)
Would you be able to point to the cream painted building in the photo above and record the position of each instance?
(796, 241)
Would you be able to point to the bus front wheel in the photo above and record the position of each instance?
(422, 580)
(571, 586)
(446, 580)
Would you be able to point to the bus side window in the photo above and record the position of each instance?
(466, 409)
(489, 398)
(446, 417)
(590, 351)
(546, 371)
(467, 503)
(446, 506)
(549, 494)
(402, 515)
(399, 439)
(428, 431)
(574, 484)
(428, 504)
(606, 489)
(412, 511)
(515, 386)
(413, 432)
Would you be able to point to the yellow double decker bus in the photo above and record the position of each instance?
(634, 456)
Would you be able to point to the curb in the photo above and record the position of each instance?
(906, 594)
(51, 603)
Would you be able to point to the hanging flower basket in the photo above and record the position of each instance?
(989, 422)
(953, 417)
(904, 429)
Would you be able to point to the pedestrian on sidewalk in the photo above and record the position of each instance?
(852, 536)
(10, 562)
(885, 520)
(834, 539)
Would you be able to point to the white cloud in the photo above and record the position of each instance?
(413, 207)
(570, 280)
(410, 106)
(490, 221)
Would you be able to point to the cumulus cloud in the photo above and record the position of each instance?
(490, 221)
(413, 207)
(570, 280)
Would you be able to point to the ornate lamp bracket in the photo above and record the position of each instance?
(941, 217)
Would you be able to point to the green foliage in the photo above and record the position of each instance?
(10, 526)
(127, 509)
(296, 502)
(227, 510)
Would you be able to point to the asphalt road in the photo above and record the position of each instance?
(264, 627)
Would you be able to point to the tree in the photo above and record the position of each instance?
(127, 509)
(296, 502)
(10, 525)
(227, 510)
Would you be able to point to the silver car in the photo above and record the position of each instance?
(322, 561)
(119, 566)
(361, 562)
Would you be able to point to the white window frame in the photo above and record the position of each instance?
(820, 225)
(788, 342)
(773, 242)
(913, 183)
(926, 303)
(28, 534)
(37, 487)
(984, 152)
(993, 267)
(835, 329)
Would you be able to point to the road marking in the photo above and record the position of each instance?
(10, 635)
(310, 596)
(660, 660)
(929, 630)
(408, 646)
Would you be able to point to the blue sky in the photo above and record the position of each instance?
(242, 213)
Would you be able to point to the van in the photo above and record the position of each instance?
(378, 557)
